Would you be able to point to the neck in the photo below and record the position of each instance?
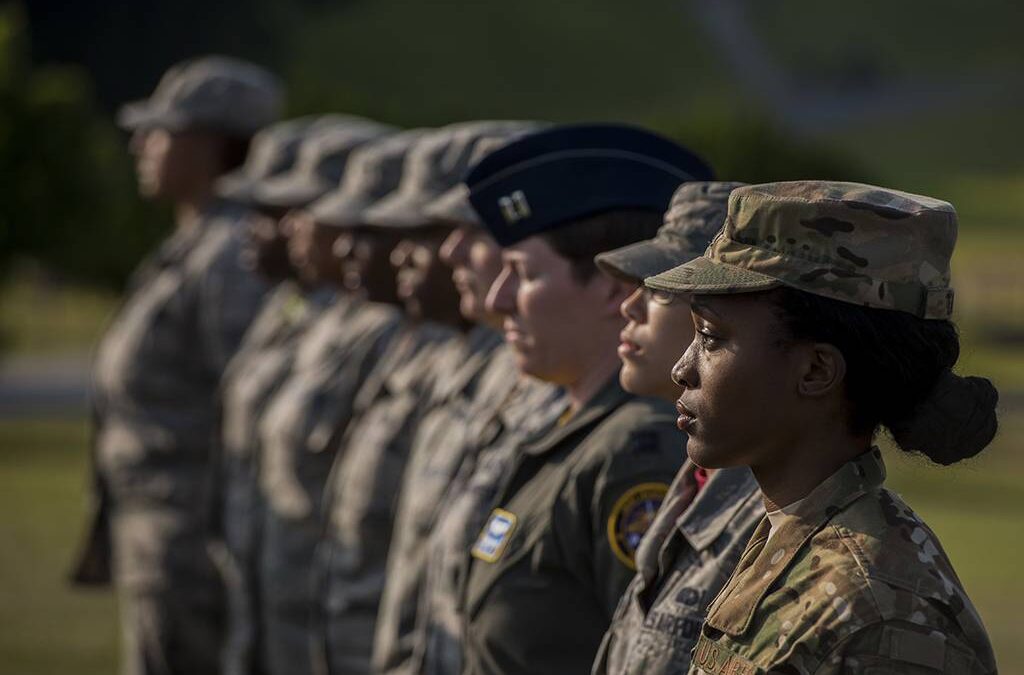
(595, 376)
(187, 211)
(803, 464)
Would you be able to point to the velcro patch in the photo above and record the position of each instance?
(632, 514)
(495, 536)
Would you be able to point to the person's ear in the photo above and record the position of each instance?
(823, 370)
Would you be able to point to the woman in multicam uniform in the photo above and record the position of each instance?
(822, 312)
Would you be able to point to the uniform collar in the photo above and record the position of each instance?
(611, 396)
(464, 360)
(727, 492)
(763, 563)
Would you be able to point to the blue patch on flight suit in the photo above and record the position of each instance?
(494, 538)
(632, 514)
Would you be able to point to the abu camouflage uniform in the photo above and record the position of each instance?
(556, 553)
(530, 408)
(362, 496)
(852, 581)
(456, 400)
(299, 434)
(251, 379)
(686, 557)
(155, 395)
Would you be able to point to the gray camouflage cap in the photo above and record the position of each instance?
(437, 164)
(273, 151)
(374, 170)
(323, 156)
(210, 93)
(453, 207)
(695, 214)
(855, 243)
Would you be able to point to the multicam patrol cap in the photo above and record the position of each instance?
(855, 243)
(374, 171)
(210, 93)
(273, 151)
(694, 216)
(434, 166)
(453, 207)
(551, 178)
(323, 156)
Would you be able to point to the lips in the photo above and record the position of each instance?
(686, 420)
(627, 347)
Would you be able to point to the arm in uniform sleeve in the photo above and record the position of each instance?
(92, 565)
(616, 499)
(230, 297)
(901, 647)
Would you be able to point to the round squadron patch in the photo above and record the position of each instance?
(630, 518)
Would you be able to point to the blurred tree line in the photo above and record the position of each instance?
(68, 199)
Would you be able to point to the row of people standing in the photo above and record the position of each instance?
(395, 488)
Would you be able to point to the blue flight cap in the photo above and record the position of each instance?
(550, 178)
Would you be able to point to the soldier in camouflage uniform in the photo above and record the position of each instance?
(556, 551)
(311, 408)
(707, 517)
(473, 379)
(822, 313)
(159, 364)
(303, 290)
(409, 379)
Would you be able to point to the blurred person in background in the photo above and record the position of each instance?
(159, 364)
(474, 379)
(400, 390)
(822, 313)
(707, 517)
(556, 552)
(287, 476)
(269, 347)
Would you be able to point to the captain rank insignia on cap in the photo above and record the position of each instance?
(632, 514)
(514, 207)
(495, 536)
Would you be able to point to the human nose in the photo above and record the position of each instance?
(502, 294)
(453, 248)
(684, 373)
(401, 254)
(634, 308)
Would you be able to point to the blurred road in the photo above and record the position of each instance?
(44, 385)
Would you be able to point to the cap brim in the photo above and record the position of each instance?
(640, 260)
(289, 191)
(453, 208)
(238, 188)
(339, 210)
(406, 211)
(143, 114)
(703, 275)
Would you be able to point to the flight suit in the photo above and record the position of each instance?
(155, 394)
(465, 390)
(530, 409)
(299, 435)
(363, 495)
(852, 581)
(686, 557)
(251, 379)
(556, 553)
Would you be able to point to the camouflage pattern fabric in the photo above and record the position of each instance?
(531, 408)
(251, 379)
(438, 450)
(299, 434)
(852, 581)
(363, 495)
(556, 554)
(686, 557)
(855, 243)
(157, 416)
